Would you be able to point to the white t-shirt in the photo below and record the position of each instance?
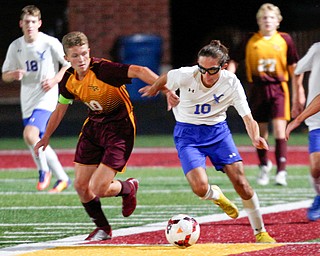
(40, 60)
(311, 62)
(202, 105)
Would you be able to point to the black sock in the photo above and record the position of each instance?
(94, 210)
(126, 188)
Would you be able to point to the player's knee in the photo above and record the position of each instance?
(80, 187)
(200, 189)
(31, 136)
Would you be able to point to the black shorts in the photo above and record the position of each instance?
(108, 143)
(269, 102)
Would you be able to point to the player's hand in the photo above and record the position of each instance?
(47, 84)
(41, 145)
(172, 99)
(260, 143)
(290, 127)
(148, 91)
(18, 74)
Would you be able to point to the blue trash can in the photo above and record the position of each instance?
(143, 50)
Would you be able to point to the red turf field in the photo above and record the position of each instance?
(145, 157)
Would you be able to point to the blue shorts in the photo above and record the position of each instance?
(196, 142)
(39, 118)
(314, 141)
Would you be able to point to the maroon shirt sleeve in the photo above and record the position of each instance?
(292, 54)
(115, 74)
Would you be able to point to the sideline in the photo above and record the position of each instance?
(78, 241)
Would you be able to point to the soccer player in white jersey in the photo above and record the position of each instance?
(34, 59)
(201, 130)
(309, 63)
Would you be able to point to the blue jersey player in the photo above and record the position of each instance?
(206, 91)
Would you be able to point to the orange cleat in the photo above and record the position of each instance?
(44, 180)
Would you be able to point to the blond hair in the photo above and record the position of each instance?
(269, 7)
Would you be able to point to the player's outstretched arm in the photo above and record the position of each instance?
(310, 110)
(153, 89)
(53, 123)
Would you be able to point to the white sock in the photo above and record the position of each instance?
(315, 184)
(40, 160)
(55, 165)
(252, 207)
(211, 194)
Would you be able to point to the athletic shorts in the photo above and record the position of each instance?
(193, 146)
(269, 101)
(314, 141)
(108, 143)
(39, 118)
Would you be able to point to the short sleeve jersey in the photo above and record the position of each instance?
(40, 60)
(267, 58)
(201, 105)
(310, 62)
(102, 90)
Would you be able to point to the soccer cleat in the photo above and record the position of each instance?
(225, 204)
(281, 178)
(44, 180)
(264, 237)
(313, 213)
(59, 186)
(263, 178)
(129, 202)
(100, 234)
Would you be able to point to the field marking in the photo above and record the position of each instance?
(79, 239)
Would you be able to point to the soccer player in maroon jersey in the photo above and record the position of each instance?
(107, 136)
(270, 58)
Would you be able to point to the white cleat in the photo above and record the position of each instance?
(263, 178)
(281, 178)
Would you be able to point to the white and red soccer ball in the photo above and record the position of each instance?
(182, 231)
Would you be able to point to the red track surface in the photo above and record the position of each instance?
(147, 157)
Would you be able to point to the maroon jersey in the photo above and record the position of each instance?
(103, 90)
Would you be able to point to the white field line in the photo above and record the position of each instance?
(79, 240)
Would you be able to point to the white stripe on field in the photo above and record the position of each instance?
(79, 240)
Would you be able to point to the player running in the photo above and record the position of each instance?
(34, 60)
(107, 136)
(201, 130)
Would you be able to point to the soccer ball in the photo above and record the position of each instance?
(182, 231)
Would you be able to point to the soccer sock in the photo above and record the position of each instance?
(94, 210)
(281, 154)
(125, 189)
(40, 160)
(252, 207)
(211, 194)
(55, 165)
(263, 156)
(315, 182)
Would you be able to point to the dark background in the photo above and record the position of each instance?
(193, 24)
